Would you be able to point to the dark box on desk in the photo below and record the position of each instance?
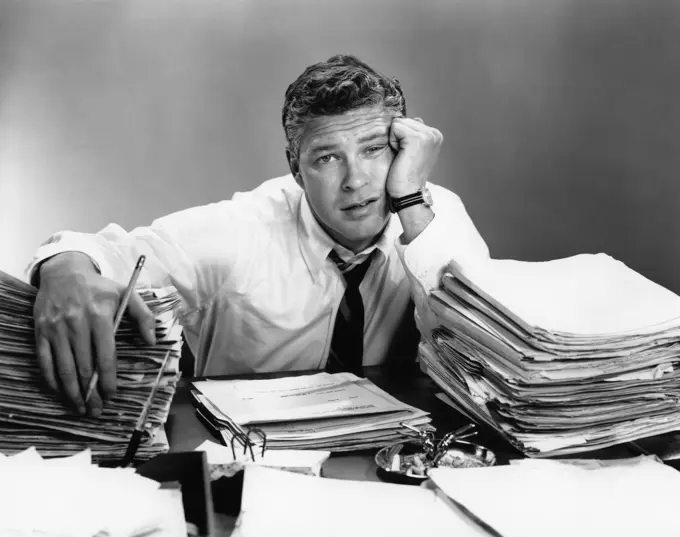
(190, 469)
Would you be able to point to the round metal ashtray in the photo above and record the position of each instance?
(463, 454)
(408, 463)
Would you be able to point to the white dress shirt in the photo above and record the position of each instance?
(259, 291)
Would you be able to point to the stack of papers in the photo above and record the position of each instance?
(285, 504)
(542, 497)
(31, 415)
(70, 496)
(562, 356)
(334, 412)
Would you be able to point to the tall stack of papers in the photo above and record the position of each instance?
(30, 415)
(70, 496)
(562, 356)
(334, 412)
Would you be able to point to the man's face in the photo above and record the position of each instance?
(343, 165)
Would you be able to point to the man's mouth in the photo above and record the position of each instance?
(359, 205)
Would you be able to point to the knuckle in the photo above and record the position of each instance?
(73, 315)
(42, 322)
(84, 367)
(107, 291)
(47, 324)
(99, 311)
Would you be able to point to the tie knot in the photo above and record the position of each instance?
(353, 270)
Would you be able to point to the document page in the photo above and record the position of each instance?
(70, 496)
(537, 498)
(31, 415)
(295, 398)
(609, 297)
(285, 504)
(336, 412)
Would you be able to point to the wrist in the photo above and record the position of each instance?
(421, 196)
(414, 220)
(73, 261)
(403, 191)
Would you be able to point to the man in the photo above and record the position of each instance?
(273, 278)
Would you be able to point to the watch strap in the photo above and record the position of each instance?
(417, 198)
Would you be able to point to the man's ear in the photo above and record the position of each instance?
(294, 166)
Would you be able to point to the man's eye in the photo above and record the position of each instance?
(325, 159)
(374, 149)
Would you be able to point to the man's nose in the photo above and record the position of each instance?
(356, 176)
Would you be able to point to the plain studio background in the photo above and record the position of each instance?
(561, 117)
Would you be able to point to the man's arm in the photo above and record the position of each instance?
(450, 235)
(432, 236)
(82, 277)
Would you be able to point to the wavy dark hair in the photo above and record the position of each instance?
(340, 84)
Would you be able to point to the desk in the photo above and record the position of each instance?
(186, 432)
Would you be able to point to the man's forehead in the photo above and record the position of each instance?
(357, 123)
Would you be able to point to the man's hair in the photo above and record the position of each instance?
(338, 85)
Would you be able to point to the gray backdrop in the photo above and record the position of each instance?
(561, 117)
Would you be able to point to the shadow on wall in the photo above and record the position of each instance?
(560, 116)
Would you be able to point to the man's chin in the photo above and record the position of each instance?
(366, 235)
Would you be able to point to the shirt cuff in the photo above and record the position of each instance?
(427, 256)
(58, 244)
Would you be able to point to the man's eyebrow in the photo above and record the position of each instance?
(322, 148)
(372, 137)
(364, 139)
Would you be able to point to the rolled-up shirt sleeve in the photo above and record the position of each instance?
(451, 235)
(192, 250)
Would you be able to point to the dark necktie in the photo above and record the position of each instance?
(347, 345)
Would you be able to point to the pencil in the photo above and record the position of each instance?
(119, 315)
(138, 431)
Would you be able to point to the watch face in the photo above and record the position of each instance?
(427, 197)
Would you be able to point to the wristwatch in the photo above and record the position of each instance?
(422, 196)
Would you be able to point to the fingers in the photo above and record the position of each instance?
(400, 130)
(395, 135)
(55, 359)
(81, 346)
(45, 360)
(66, 366)
(146, 321)
(104, 344)
(403, 129)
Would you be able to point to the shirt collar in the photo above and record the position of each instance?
(316, 244)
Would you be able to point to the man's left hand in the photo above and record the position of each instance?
(417, 148)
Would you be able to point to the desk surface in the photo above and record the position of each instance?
(186, 432)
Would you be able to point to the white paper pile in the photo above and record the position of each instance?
(561, 356)
(70, 496)
(31, 415)
(535, 498)
(285, 504)
(334, 412)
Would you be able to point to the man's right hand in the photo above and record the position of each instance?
(74, 312)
